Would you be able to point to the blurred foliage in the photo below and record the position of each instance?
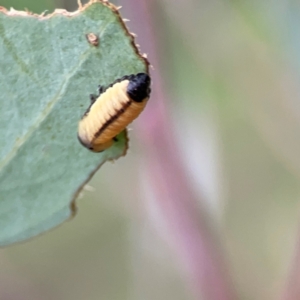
(231, 71)
(34, 6)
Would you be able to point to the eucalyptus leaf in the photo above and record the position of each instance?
(47, 71)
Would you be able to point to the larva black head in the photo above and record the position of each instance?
(139, 87)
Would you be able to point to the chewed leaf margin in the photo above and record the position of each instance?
(123, 136)
(81, 8)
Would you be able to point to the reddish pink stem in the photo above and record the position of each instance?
(292, 291)
(173, 196)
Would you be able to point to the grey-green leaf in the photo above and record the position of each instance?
(47, 71)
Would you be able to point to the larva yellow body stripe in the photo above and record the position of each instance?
(111, 111)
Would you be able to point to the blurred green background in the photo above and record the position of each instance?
(231, 72)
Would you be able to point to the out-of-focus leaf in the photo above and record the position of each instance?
(47, 71)
(32, 5)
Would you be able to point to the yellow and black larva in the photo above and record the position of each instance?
(112, 110)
